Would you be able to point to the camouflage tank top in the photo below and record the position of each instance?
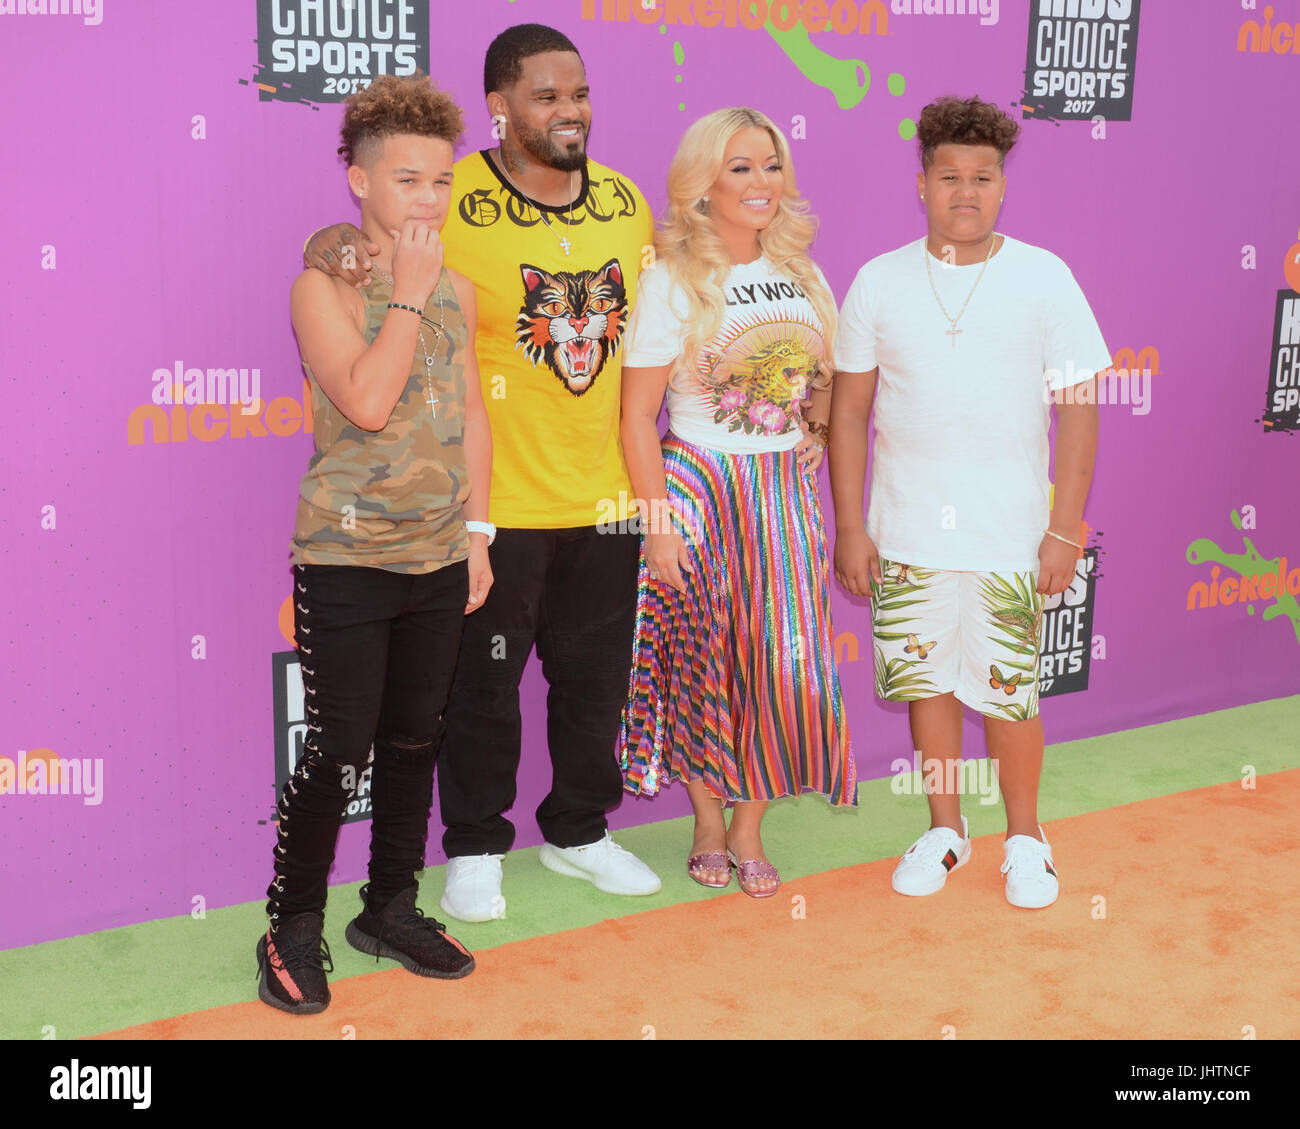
(391, 499)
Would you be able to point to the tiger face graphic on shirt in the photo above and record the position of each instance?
(555, 287)
(572, 321)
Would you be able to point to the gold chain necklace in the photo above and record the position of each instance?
(953, 331)
(565, 244)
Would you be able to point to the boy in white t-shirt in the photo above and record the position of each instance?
(963, 339)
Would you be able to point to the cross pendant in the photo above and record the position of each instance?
(953, 334)
(433, 400)
(565, 245)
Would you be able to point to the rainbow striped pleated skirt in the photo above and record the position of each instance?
(734, 682)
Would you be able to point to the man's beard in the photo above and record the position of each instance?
(539, 145)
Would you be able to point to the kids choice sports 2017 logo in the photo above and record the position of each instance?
(1065, 649)
(1282, 412)
(291, 733)
(1080, 59)
(289, 710)
(324, 50)
(1282, 406)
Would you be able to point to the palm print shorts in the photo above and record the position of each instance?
(974, 634)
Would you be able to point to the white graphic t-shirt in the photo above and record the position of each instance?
(745, 392)
(959, 478)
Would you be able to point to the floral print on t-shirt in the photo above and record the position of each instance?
(758, 379)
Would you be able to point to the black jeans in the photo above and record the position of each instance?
(572, 592)
(378, 650)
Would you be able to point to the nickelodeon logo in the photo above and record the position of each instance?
(1279, 38)
(1258, 577)
(870, 17)
(284, 621)
(1244, 589)
(207, 422)
(1145, 360)
(845, 647)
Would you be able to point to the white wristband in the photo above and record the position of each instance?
(482, 527)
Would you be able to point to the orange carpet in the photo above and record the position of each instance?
(1176, 920)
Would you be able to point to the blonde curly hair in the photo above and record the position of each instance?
(696, 255)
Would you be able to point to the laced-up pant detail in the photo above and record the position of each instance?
(378, 651)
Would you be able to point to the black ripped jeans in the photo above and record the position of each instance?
(378, 651)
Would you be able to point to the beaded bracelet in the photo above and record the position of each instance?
(821, 431)
(402, 306)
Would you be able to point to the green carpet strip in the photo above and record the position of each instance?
(105, 981)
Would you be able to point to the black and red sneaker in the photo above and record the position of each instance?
(292, 959)
(401, 932)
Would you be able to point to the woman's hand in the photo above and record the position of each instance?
(811, 451)
(667, 558)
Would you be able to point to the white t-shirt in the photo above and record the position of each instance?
(759, 364)
(960, 473)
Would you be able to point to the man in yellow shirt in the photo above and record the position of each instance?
(553, 243)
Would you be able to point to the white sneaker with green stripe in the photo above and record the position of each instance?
(1031, 877)
(928, 862)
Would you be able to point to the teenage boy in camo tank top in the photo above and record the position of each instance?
(388, 550)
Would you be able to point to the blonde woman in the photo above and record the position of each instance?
(733, 686)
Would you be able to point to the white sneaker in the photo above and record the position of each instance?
(473, 891)
(1031, 878)
(928, 862)
(603, 863)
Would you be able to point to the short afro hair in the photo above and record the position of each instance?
(968, 121)
(503, 65)
(392, 105)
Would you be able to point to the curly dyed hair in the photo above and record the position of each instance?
(964, 121)
(392, 105)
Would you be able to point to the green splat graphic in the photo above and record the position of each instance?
(839, 76)
(848, 79)
(1248, 564)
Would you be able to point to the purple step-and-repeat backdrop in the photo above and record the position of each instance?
(165, 161)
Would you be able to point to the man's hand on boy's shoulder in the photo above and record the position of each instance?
(341, 250)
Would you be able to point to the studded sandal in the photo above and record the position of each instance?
(752, 869)
(709, 860)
